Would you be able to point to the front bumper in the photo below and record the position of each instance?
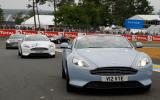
(29, 52)
(12, 45)
(82, 78)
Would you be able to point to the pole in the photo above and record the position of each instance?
(54, 2)
(34, 13)
(38, 17)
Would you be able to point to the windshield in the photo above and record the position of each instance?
(36, 38)
(102, 42)
(17, 36)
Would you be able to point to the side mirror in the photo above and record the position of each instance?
(139, 45)
(64, 46)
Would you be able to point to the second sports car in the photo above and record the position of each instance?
(36, 45)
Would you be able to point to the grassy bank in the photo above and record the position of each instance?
(147, 42)
(154, 53)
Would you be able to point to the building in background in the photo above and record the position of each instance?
(148, 19)
(46, 21)
(9, 14)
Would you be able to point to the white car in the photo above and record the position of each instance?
(36, 45)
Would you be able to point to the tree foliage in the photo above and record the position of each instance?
(1, 15)
(19, 18)
(122, 9)
(91, 13)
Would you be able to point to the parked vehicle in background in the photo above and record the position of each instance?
(59, 39)
(36, 45)
(105, 62)
(12, 41)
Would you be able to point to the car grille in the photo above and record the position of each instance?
(14, 43)
(39, 49)
(111, 71)
(113, 85)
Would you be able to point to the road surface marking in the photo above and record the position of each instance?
(156, 68)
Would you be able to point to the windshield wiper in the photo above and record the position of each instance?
(121, 47)
(95, 47)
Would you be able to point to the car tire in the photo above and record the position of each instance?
(52, 56)
(7, 47)
(63, 72)
(147, 88)
(22, 56)
(69, 87)
(19, 54)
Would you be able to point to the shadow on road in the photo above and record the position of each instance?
(113, 92)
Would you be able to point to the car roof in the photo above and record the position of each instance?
(16, 34)
(35, 35)
(80, 37)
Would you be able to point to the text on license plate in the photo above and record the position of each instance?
(39, 51)
(114, 78)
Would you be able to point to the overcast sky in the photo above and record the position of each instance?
(21, 4)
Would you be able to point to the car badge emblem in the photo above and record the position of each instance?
(113, 62)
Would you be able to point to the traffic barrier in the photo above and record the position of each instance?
(4, 33)
(72, 35)
(50, 34)
(129, 37)
(156, 38)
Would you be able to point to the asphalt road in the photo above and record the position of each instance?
(40, 79)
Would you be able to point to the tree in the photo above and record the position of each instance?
(86, 15)
(92, 13)
(122, 9)
(29, 14)
(1, 15)
(19, 18)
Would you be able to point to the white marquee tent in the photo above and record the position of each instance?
(45, 20)
(146, 17)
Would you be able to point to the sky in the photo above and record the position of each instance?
(21, 4)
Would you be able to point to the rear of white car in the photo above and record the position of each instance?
(37, 46)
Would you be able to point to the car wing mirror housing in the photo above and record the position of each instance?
(139, 45)
(65, 46)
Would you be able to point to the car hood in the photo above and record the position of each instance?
(37, 43)
(108, 57)
(14, 40)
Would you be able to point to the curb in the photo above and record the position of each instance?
(156, 68)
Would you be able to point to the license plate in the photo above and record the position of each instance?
(14, 44)
(114, 78)
(40, 51)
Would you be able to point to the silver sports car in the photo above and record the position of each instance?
(12, 41)
(105, 62)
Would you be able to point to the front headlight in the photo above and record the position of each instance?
(26, 46)
(143, 62)
(8, 41)
(51, 46)
(80, 62)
